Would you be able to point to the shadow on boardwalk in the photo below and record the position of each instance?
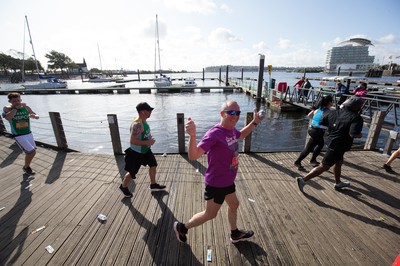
(356, 226)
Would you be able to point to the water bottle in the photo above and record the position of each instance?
(261, 114)
(102, 218)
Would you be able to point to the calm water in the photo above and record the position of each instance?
(86, 127)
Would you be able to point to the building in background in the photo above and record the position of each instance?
(351, 56)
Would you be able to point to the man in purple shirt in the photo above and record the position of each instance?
(221, 145)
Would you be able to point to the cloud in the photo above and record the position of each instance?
(388, 39)
(193, 6)
(261, 46)
(284, 43)
(222, 35)
(226, 8)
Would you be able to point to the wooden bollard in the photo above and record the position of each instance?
(374, 130)
(180, 121)
(247, 140)
(3, 129)
(114, 131)
(58, 129)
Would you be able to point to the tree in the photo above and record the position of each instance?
(59, 61)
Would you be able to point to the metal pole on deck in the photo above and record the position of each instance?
(203, 73)
(220, 75)
(242, 75)
(247, 140)
(138, 74)
(260, 77)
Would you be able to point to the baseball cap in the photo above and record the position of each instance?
(144, 106)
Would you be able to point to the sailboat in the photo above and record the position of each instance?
(51, 82)
(162, 80)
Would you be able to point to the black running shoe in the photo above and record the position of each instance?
(28, 170)
(157, 187)
(388, 168)
(180, 235)
(242, 235)
(126, 192)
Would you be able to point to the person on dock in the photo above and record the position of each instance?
(298, 85)
(18, 114)
(316, 132)
(221, 145)
(361, 90)
(341, 90)
(344, 125)
(139, 152)
(387, 166)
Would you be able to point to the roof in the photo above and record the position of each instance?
(356, 42)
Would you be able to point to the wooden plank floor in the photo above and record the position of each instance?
(321, 227)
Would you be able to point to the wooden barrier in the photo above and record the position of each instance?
(114, 132)
(247, 140)
(180, 121)
(58, 129)
(374, 130)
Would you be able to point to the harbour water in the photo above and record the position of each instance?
(86, 127)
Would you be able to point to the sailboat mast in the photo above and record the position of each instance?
(158, 44)
(23, 57)
(30, 40)
(98, 49)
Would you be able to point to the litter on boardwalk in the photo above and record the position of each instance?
(102, 218)
(164, 154)
(37, 230)
(49, 249)
(209, 253)
(2, 208)
(251, 200)
(379, 219)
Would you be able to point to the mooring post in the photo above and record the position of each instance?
(260, 77)
(114, 132)
(247, 140)
(220, 79)
(138, 74)
(374, 130)
(3, 129)
(58, 129)
(227, 76)
(180, 121)
(241, 77)
(203, 74)
(392, 137)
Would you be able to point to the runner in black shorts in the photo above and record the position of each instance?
(343, 125)
(139, 152)
(218, 194)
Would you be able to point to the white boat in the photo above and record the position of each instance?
(51, 83)
(162, 80)
(189, 82)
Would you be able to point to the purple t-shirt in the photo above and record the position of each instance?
(221, 146)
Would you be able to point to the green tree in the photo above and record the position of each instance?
(59, 61)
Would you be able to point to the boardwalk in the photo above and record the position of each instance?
(322, 227)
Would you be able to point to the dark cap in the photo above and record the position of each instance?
(144, 106)
(354, 103)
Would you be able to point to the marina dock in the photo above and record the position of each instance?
(58, 207)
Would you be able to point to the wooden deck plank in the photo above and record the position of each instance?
(321, 227)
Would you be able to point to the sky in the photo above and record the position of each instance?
(194, 34)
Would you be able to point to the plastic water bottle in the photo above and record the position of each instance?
(261, 114)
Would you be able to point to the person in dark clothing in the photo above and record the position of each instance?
(343, 126)
(340, 91)
(316, 132)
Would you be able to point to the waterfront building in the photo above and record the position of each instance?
(350, 56)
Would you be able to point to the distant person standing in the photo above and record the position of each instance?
(343, 126)
(299, 84)
(361, 90)
(306, 88)
(341, 90)
(316, 132)
(139, 152)
(221, 145)
(18, 114)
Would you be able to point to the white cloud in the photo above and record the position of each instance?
(261, 46)
(226, 8)
(388, 39)
(284, 43)
(222, 35)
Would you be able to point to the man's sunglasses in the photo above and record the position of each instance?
(232, 112)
